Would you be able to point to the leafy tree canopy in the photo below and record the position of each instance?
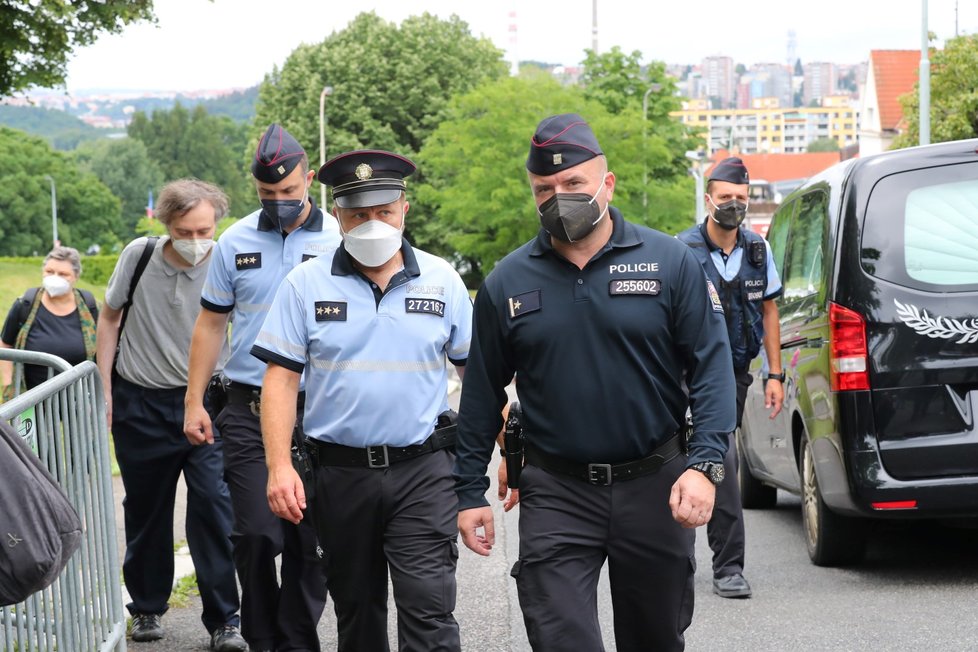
(953, 95)
(37, 37)
(88, 212)
(195, 144)
(390, 84)
(823, 145)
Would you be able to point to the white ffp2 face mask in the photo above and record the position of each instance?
(373, 243)
(193, 251)
(55, 285)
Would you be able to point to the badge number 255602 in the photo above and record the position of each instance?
(635, 286)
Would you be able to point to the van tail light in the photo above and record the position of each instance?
(850, 370)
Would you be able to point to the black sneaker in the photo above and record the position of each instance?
(227, 639)
(146, 627)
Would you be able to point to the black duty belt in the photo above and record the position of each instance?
(380, 457)
(604, 474)
(244, 394)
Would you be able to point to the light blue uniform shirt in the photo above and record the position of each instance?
(375, 365)
(249, 262)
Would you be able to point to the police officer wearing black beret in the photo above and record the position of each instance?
(600, 319)
(738, 262)
(249, 262)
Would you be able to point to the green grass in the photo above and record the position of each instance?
(18, 276)
(184, 592)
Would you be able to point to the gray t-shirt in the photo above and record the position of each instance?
(155, 347)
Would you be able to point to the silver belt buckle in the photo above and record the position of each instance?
(373, 452)
(595, 473)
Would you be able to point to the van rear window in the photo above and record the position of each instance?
(921, 229)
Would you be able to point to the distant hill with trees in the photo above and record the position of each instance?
(62, 130)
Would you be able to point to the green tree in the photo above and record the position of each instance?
(823, 145)
(88, 212)
(390, 84)
(125, 167)
(37, 38)
(475, 199)
(953, 95)
(187, 143)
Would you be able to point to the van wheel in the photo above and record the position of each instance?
(754, 494)
(832, 539)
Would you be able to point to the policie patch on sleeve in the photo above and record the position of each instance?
(521, 304)
(426, 306)
(714, 296)
(331, 311)
(247, 261)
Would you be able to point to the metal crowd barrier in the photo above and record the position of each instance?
(64, 422)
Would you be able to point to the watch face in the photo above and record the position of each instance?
(717, 473)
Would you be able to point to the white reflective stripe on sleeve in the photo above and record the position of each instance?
(400, 366)
(275, 343)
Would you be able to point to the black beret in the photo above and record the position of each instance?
(731, 170)
(561, 142)
(366, 177)
(277, 155)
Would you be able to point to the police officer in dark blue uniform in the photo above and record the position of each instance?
(598, 318)
(738, 262)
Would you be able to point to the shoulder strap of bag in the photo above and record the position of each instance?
(137, 273)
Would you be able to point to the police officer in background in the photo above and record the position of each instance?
(372, 326)
(598, 318)
(739, 264)
(250, 260)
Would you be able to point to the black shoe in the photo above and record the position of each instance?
(227, 639)
(146, 627)
(731, 586)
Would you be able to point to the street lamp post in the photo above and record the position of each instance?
(54, 212)
(327, 90)
(696, 170)
(645, 138)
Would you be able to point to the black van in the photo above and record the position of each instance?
(879, 340)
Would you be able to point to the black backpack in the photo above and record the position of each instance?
(39, 528)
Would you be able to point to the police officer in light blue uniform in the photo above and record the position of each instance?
(250, 260)
(738, 261)
(371, 326)
(598, 318)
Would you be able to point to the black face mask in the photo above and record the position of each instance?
(571, 216)
(729, 214)
(283, 213)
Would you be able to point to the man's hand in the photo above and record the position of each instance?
(774, 396)
(691, 499)
(469, 521)
(197, 425)
(503, 486)
(286, 495)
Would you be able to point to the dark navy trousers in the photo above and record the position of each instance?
(568, 528)
(725, 531)
(152, 452)
(274, 616)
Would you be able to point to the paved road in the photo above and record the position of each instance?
(915, 591)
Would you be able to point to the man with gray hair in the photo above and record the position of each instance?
(144, 389)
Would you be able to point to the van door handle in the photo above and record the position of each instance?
(815, 343)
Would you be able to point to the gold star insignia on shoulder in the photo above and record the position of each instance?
(364, 172)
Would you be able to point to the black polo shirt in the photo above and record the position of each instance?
(598, 354)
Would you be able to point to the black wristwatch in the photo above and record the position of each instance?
(713, 471)
(778, 377)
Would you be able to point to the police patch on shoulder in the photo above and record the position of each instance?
(331, 311)
(247, 261)
(714, 296)
(426, 306)
(522, 304)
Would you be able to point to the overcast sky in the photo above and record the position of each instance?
(232, 43)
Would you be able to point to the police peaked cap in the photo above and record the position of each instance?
(731, 170)
(366, 177)
(277, 155)
(561, 142)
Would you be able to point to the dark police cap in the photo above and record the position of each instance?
(277, 155)
(731, 170)
(366, 177)
(561, 142)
